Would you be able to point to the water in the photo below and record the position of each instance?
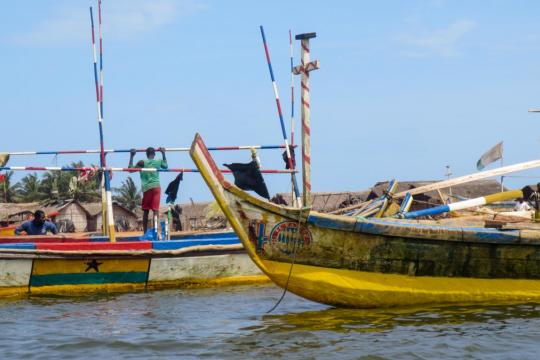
(230, 322)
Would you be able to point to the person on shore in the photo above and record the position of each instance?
(37, 226)
(150, 182)
(522, 205)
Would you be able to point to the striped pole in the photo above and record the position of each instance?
(292, 87)
(103, 191)
(461, 205)
(280, 114)
(304, 68)
(131, 170)
(106, 175)
(110, 151)
(292, 99)
(100, 59)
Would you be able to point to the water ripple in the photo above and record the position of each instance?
(231, 322)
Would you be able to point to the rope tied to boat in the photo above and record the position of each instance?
(295, 243)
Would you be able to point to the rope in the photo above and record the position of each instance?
(286, 288)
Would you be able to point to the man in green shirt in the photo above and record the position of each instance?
(150, 182)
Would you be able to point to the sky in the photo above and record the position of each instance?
(404, 89)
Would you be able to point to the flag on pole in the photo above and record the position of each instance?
(2, 178)
(493, 154)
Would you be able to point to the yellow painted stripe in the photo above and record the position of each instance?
(359, 289)
(87, 288)
(68, 266)
(195, 283)
(502, 196)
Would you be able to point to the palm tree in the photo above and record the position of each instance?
(29, 189)
(129, 195)
(61, 186)
(8, 192)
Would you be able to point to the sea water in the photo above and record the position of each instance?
(232, 322)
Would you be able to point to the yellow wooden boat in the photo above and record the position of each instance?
(358, 262)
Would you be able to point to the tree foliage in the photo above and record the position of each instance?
(128, 194)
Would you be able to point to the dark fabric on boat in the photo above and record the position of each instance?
(248, 177)
(172, 189)
(284, 155)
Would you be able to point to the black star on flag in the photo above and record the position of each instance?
(93, 265)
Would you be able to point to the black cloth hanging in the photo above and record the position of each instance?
(249, 177)
(291, 149)
(172, 189)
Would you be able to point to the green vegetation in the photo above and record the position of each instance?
(64, 185)
(128, 195)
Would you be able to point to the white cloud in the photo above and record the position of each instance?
(441, 42)
(122, 20)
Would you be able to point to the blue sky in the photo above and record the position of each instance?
(405, 87)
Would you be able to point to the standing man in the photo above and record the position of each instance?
(37, 226)
(150, 182)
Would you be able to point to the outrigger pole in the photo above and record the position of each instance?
(119, 169)
(304, 68)
(103, 163)
(280, 114)
(169, 149)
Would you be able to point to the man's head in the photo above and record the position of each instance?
(39, 217)
(150, 153)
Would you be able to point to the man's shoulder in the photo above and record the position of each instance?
(50, 224)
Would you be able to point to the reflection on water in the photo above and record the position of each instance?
(374, 320)
(231, 322)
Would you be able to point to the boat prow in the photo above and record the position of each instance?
(357, 262)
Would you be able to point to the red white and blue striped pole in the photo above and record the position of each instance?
(100, 59)
(168, 149)
(121, 169)
(278, 104)
(292, 86)
(106, 176)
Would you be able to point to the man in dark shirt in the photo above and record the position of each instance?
(38, 226)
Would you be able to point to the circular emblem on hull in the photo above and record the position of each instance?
(285, 236)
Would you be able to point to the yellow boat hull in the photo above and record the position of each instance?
(354, 262)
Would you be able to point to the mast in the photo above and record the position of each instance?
(304, 68)
(106, 175)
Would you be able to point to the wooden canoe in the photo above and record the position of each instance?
(358, 262)
(72, 265)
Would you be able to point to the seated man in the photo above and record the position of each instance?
(37, 226)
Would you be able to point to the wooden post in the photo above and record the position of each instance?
(304, 68)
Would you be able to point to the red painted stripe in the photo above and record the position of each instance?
(35, 168)
(41, 239)
(200, 143)
(305, 47)
(267, 53)
(279, 107)
(133, 245)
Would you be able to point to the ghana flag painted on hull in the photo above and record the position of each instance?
(92, 271)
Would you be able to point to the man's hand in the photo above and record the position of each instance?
(162, 150)
(132, 152)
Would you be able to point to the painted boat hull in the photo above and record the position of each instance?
(356, 262)
(46, 266)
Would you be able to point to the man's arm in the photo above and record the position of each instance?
(52, 228)
(164, 164)
(20, 229)
(132, 153)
